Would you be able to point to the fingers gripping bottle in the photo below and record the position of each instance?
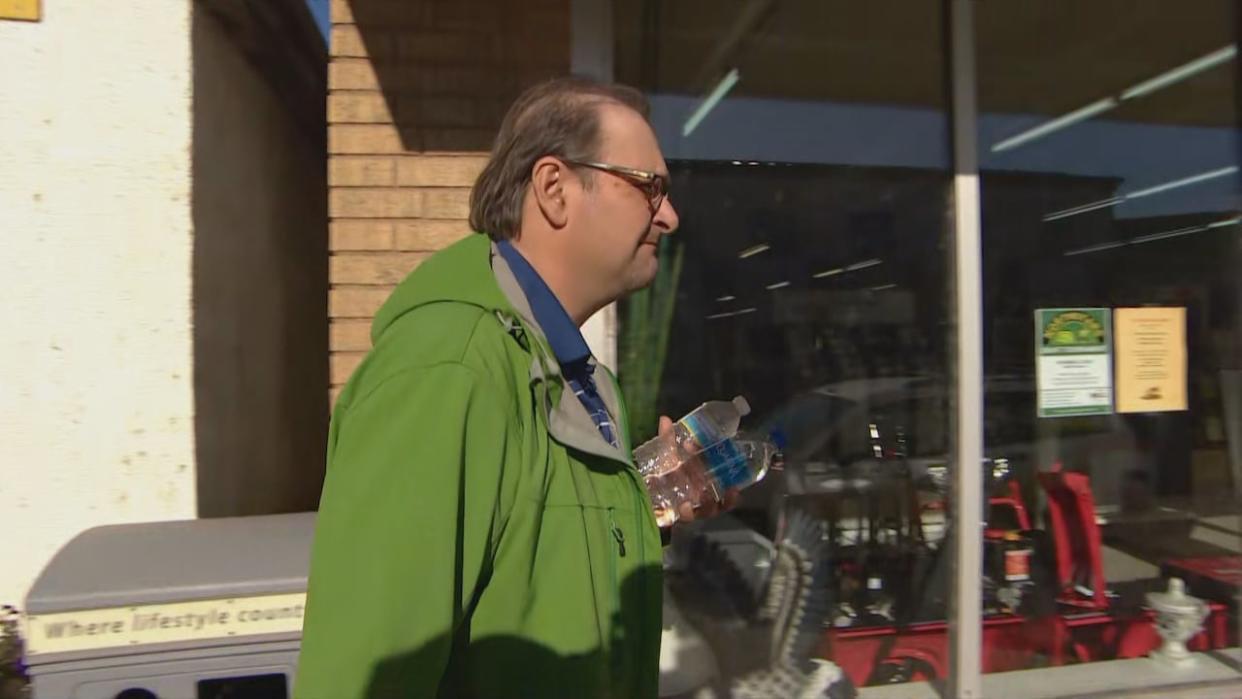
(703, 459)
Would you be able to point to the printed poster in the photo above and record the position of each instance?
(1151, 359)
(1073, 367)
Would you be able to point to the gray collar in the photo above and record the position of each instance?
(568, 421)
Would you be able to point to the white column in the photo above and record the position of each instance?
(96, 366)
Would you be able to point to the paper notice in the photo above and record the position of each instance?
(1150, 350)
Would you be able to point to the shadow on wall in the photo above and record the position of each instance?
(447, 71)
(260, 257)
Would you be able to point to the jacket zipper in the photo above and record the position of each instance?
(638, 490)
(615, 563)
(620, 538)
(616, 533)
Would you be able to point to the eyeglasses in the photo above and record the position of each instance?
(652, 184)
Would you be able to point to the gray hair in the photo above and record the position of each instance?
(560, 118)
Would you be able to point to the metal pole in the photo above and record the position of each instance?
(965, 619)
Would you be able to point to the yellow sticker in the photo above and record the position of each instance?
(26, 10)
(113, 627)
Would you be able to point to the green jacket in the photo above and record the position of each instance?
(477, 536)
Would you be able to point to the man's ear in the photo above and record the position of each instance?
(549, 185)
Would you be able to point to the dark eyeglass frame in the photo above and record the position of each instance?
(652, 184)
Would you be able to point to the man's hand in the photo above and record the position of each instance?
(708, 505)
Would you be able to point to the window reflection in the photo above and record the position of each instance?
(1112, 188)
(809, 153)
(808, 142)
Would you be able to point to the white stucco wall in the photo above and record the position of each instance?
(96, 402)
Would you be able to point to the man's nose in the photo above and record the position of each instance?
(666, 219)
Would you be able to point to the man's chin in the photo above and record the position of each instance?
(643, 278)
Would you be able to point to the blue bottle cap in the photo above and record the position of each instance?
(778, 438)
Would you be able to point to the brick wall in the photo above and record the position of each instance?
(416, 89)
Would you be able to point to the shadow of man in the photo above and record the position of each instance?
(503, 666)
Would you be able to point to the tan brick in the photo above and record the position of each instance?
(341, 12)
(358, 108)
(429, 235)
(492, 111)
(459, 80)
(372, 267)
(349, 335)
(350, 234)
(346, 42)
(334, 394)
(528, 75)
(467, 15)
(383, 203)
(445, 47)
(448, 202)
(532, 48)
(348, 171)
(456, 140)
(439, 171)
(342, 364)
(352, 74)
(356, 302)
(360, 139)
(382, 13)
(376, 42)
(425, 111)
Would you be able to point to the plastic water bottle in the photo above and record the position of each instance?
(730, 463)
(702, 428)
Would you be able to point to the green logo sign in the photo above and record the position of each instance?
(1073, 361)
(1073, 331)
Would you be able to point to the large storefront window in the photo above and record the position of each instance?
(814, 174)
(1112, 281)
(808, 144)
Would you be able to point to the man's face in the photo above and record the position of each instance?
(616, 234)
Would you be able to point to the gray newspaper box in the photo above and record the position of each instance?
(198, 609)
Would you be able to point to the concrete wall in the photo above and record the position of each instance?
(260, 288)
(96, 375)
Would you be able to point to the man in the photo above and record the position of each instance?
(482, 530)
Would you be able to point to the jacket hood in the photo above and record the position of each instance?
(460, 273)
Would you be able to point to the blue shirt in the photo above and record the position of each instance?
(568, 345)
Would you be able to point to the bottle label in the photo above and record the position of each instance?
(699, 431)
(727, 465)
(1018, 565)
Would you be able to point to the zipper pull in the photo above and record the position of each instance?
(616, 532)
